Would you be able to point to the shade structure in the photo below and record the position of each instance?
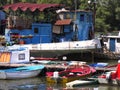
(63, 22)
(31, 6)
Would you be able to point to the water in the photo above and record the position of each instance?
(39, 83)
(23, 84)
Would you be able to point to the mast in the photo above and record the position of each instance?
(75, 24)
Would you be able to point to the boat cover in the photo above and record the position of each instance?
(118, 71)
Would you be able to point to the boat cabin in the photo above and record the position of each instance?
(66, 25)
(13, 56)
(112, 42)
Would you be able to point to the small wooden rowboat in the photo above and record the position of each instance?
(21, 72)
(73, 72)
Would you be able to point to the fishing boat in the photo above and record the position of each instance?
(110, 77)
(21, 72)
(73, 72)
(69, 32)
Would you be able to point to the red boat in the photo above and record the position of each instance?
(73, 72)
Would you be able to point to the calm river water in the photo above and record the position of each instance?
(39, 83)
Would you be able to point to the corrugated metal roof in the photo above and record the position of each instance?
(30, 6)
(63, 22)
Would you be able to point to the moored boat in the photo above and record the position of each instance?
(104, 79)
(57, 36)
(110, 77)
(21, 72)
(73, 72)
(82, 82)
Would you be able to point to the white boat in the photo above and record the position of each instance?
(105, 80)
(110, 77)
(54, 50)
(21, 72)
(16, 57)
(82, 82)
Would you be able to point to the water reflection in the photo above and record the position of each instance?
(92, 87)
(108, 87)
(32, 87)
(22, 84)
(39, 83)
(75, 88)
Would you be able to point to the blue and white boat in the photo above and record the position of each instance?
(71, 31)
(21, 72)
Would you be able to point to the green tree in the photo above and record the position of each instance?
(108, 14)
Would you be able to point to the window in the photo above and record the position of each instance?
(82, 17)
(36, 30)
(118, 40)
(22, 56)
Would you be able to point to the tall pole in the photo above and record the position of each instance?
(75, 10)
(75, 24)
(93, 4)
(94, 13)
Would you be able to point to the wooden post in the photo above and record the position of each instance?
(92, 56)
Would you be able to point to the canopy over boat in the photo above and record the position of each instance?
(31, 6)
